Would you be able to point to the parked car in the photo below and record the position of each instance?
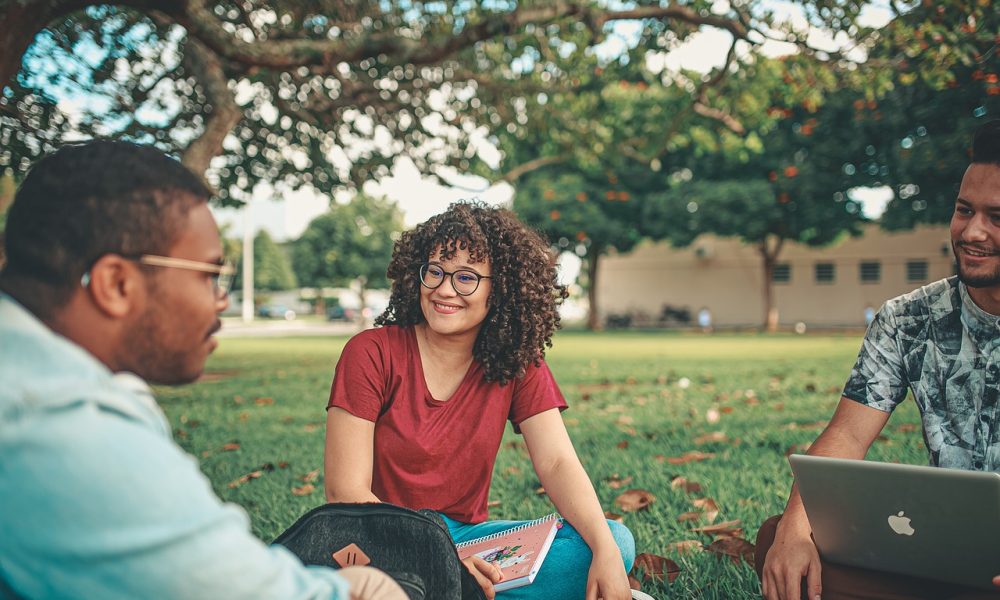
(276, 311)
(337, 312)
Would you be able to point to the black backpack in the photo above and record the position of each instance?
(413, 547)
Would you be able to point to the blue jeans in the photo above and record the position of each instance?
(563, 575)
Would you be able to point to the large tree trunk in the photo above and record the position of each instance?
(593, 315)
(769, 257)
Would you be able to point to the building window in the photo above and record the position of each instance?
(825, 272)
(916, 270)
(782, 273)
(871, 271)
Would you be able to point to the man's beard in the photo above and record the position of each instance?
(981, 281)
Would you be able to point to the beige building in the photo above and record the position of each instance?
(825, 287)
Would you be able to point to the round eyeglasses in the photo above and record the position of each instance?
(464, 281)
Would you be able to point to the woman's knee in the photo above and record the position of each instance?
(626, 542)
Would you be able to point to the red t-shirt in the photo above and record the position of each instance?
(428, 453)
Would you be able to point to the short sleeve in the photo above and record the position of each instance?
(359, 381)
(534, 393)
(878, 378)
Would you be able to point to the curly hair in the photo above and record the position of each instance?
(525, 295)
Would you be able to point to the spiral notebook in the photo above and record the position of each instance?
(518, 552)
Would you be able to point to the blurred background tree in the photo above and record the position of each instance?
(272, 265)
(350, 244)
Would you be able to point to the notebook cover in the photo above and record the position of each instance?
(518, 552)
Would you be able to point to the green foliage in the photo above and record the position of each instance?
(271, 264)
(770, 393)
(352, 241)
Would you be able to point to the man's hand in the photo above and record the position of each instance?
(368, 583)
(607, 579)
(486, 574)
(792, 557)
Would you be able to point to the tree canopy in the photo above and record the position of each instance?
(327, 93)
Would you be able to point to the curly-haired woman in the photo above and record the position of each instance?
(418, 406)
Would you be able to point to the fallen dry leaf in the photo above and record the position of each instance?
(725, 528)
(263, 401)
(616, 481)
(715, 436)
(655, 568)
(622, 445)
(625, 420)
(245, 478)
(685, 546)
(493, 503)
(691, 487)
(694, 515)
(540, 491)
(611, 516)
(231, 446)
(311, 476)
(735, 548)
(692, 456)
(303, 490)
(707, 506)
(283, 464)
(633, 500)
(512, 471)
(797, 448)
(906, 428)
(311, 427)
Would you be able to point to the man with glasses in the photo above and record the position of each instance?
(115, 277)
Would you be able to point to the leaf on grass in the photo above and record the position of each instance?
(493, 503)
(263, 401)
(512, 471)
(231, 446)
(283, 464)
(616, 481)
(685, 546)
(540, 491)
(723, 529)
(655, 568)
(797, 448)
(612, 516)
(735, 548)
(707, 506)
(303, 490)
(633, 500)
(692, 456)
(715, 436)
(726, 410)
(693, 515)
(778, 406)
(906, 428)
(691, 487)
(311, 427)
(245, 478)
(622, 445)
(625, 420)
(311, 476)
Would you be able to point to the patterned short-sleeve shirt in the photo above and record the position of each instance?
(936, 342)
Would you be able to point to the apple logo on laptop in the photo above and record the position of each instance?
(901, 524)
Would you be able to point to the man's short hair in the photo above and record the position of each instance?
(986, 144)
(90, 199)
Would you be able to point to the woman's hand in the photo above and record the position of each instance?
(607, 579)
(486, 574)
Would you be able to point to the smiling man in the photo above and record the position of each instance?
(115, 277)
(942, 343)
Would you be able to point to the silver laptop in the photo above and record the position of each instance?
(927, 522)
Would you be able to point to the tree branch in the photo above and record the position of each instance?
(532, 165)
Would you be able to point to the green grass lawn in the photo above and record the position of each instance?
(636, 400)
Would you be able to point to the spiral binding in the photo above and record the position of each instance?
(500, 534)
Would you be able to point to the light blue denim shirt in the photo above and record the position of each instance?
(97, 501)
